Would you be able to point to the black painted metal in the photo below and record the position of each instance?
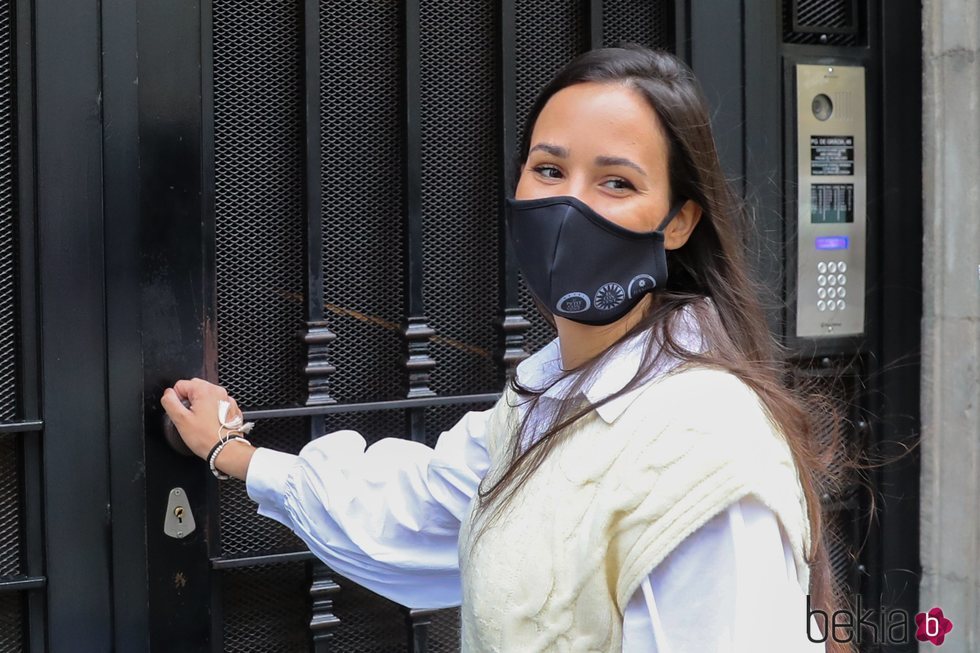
(22, 426)
(595, 24)
(123, 324)
(762, 155)
(895, 375)
(511, 324)
(70, 228)
(22, 89)
(716, 58)
(19, 583)
(178, 306)
(416, 330)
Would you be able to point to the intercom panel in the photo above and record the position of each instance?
(831, 200)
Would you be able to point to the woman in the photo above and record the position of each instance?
(646, 482)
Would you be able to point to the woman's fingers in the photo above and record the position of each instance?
(197, 425)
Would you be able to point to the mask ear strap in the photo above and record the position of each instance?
(674, 210)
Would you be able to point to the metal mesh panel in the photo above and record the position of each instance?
(265, 609)
(373, 426)
(12, 623)
(815, 16)
(444, 632)
(8, 226)
(368, 623)
(258, 167)
(10, 506)
(646, 23)
(547, 34)
(363, 242)
(243, 531)
(460, 172)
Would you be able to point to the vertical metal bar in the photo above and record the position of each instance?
(417, 621)
(215, 581)
(682, 30)
(323, 621)
(716, 57)
(762, 155)
(595, 24)
(898, 259)
(27, 305)
(415, 330)
(512, 323)
(317, 335)
(176, 196)
(72, 336)
(120, 145)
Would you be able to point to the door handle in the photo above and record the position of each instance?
(172, 435)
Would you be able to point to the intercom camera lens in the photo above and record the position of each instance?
(822, 107)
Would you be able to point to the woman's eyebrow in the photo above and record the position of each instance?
(553, 150)
(618, 161)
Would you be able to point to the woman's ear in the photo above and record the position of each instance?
(679, 230)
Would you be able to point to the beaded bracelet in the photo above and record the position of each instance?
(213, 455)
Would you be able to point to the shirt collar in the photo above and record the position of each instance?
(544, 366)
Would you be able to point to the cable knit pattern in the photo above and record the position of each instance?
(556, 571)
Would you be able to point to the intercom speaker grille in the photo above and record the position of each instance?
(12, 623)
(10, 506)
(646, 23)
(547, 34)
(460, 171)
(8, 225)
(842, 538)
(361, 133)
(266, 609)
(822, 22)
(258, 184)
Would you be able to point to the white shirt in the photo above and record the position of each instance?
(387, 517)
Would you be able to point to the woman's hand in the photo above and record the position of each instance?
(198, 425)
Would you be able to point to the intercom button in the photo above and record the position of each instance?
(821, 267)
(832, 293)
(821, 280)
(822, 293)
(821, 305)
(840, 304)
(841, 292)
(832, 266)
(842, 267)
(832, 279)
(841, 279)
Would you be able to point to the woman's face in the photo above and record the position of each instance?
(603, 144)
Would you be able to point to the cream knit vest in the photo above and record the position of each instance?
(556, 571)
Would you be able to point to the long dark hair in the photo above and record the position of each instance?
(712, 264)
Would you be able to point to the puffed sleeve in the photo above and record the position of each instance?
(385, 516)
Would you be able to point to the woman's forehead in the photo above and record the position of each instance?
(598, 117)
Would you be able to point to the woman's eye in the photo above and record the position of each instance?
(548, 171)
(619, 184)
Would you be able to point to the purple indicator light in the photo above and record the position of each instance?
(831, 242)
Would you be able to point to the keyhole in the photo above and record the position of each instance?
(179, 513)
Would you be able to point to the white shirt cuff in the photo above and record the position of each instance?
(265, 482)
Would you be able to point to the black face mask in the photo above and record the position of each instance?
(580, 265)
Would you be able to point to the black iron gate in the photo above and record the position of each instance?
(299, 200)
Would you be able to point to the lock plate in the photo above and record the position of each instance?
(179, 521)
